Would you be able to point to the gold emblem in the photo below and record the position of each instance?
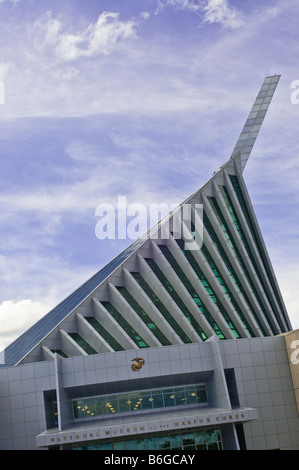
(139, 362)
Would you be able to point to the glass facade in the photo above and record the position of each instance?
(191, 290)
(258, 244)
(239, 258)
(174, 295)
(124, 324)
(237, 223)
(163, 310)
(82, 343)
(197, 439)
(231, 270)
(139, 401)
(59, 351)
(225, 289)
(105, 334)
(144, 316)
(208, 288)
(240, 197)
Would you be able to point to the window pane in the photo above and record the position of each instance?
(158, 400)
(136, 401)
(200, 437)
(111, 405)
(78, 409)
(191, 395)
(130, 445)
(218, 434)
(169, 398)
(100, 404)
(124, 403)
(93, 447)
(107, 446)
(212, 436)
(90, 410)
(164, 442)
(119, 445)
(140, 444)
(201, 394)
(152, 443)
(147, 402)
(175, 441)
(144, 316)
(188, 438)
(180, 398)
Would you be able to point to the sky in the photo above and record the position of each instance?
(137, 98)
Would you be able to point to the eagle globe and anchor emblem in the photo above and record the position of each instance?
(138, 363)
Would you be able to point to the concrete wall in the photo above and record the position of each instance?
(264, 382)
(260, 369)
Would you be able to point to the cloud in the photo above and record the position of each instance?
(188, 99)
(84, 69)
(97, 38)
(219, 11)
(212, 11)
(17, 317)
(181, 4)
(4, 68)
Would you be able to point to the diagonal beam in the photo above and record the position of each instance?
(255, 119)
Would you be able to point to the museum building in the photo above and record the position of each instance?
(182, 341)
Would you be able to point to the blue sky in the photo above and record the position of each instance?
(136, 98)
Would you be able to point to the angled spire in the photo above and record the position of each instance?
(255, 119)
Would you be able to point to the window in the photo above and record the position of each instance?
(225, 289)
(208, 288)
(171, 291)
(125, 325)
(144, 316)
(82, 343)
(197, 439)
(104, 333)
(231, 270)
(139, 401)
(239, 194)
(191, 290)
(238, 256)
(163, 310)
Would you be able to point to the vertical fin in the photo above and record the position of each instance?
(255, 119)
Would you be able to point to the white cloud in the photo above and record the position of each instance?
(51, 73)
(145, 15)
(213, 11)
(219, 11)
(4, 68)
(182, 4)
(98, 38)
(52, 27)
(17, 317)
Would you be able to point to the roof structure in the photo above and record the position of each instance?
(159, 292)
